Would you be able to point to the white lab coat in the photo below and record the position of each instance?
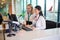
(41, 23)
(26, 17)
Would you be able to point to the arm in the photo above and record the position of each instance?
(26, 17)
(41, 24)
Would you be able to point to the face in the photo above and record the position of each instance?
(28, 9)
(37, 11)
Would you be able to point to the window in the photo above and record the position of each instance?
(27, 1)
(33, 3)
(51, 7)
(51, 10)
(24, 5)
(41, 3)
(19, 8)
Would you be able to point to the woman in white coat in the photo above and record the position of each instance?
(39, 20)
(28, 14)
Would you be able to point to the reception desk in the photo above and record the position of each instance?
(49, 34)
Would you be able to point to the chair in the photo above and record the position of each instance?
(13, 17)
(59, 25)
(50, 24)
(2, 34)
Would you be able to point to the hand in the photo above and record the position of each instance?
(24, 23)
(33, 28)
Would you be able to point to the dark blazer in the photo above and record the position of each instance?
(1, 19)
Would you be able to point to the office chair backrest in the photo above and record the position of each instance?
(59, 25)
(50, 24)
(1, 19)
(14, 17)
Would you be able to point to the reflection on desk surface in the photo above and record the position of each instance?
(24, 35)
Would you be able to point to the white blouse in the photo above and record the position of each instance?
(26, 17)
(41, 23)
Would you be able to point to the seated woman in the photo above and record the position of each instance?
(28, 14)
(39, 20)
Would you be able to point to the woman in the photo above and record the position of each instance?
(39, 20)
(28, 18)
(29, 12)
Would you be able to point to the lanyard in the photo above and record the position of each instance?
(29, 16)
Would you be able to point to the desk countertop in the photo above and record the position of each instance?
(23, 35)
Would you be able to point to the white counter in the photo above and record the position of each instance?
(51, 34)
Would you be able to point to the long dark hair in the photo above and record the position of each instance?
(39, 8)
